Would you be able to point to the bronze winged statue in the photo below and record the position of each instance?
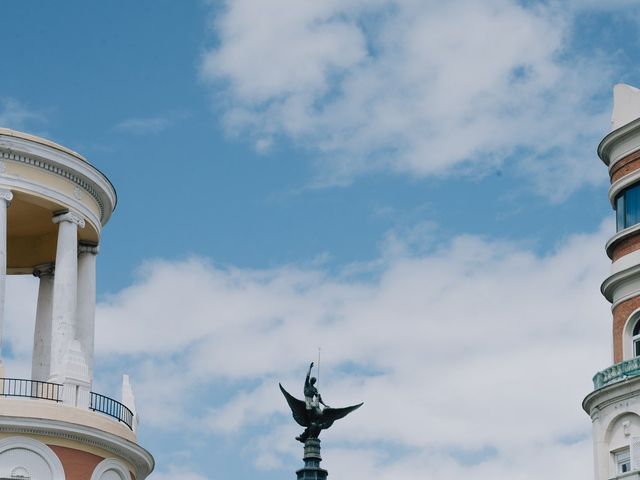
(309, 413)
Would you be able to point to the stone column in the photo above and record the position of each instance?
(41, 360)
(65, 288)
(5, 200)
(87, 301)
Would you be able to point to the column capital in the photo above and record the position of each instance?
(44, 270)
(6, 195)
(88, 248)
(71, 217)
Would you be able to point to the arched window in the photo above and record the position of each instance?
(111, 469)
(635, 339)
(28, 459)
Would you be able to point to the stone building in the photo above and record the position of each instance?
(53, 426)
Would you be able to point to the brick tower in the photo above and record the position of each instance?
(614, 405)
(53, 426)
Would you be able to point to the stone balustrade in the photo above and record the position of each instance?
(617, 372)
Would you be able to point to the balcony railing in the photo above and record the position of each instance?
(617, 373)
(20, 387)
(108, 406)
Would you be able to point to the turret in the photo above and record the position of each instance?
(53, 426)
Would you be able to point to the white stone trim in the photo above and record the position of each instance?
(37, 447)
(58, 171)
(111, 465)
(131, 452)
(626, 261)
(44, 270)
(619, 185)
(621, 285)
(622, 289)
(27, 186)
(627, 334)
(88, 248)
(620, 143)
(605, 406)
(71, 217)
(30, 151)
(6, 195)
(618, 236)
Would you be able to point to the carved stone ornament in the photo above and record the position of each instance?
(71, 217)
(88, 248)
(44, 270)
(6, 195)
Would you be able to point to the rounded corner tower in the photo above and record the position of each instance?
(53, 426)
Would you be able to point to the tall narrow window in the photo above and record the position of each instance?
(623, 461)
(627, 206)
(620, 212)
(636, 339)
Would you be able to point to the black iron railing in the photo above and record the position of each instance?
(109, 406)
(20, 387)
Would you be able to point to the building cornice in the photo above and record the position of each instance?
(137, 456)
(621, 142)
(619, 236)
(64, 164)
(610, 394)
(612, 282)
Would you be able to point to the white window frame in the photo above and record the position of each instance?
(620, 458)
(37, 447)
(111, 465)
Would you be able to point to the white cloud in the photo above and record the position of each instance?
(174, 472)
(471, 358)
(15, 115)
(149, 125)
(424, 88)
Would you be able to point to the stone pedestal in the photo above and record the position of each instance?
(312, 459)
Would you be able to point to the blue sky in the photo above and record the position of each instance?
(411, 185)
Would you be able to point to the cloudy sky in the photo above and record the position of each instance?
(410, 185)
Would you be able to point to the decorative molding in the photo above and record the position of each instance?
(628, 260)
(111, 465)
(619, 143)
(45, 270)
(88, 248)
(62, 172)
(6, 195)
(57, 196)
(619, 185)
(614, 393)
(140, 458)
(71, 217)
(611, 287)
(619, 236)
(39, 449)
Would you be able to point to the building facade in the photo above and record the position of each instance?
(614, 405)
(53, 426)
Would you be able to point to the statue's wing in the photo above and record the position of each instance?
(330, 415)
(298, 408)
